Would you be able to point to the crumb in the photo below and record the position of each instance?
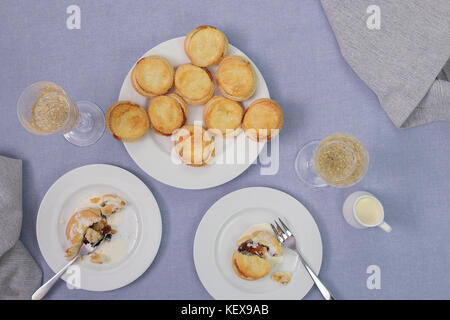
(282, 277)
(72, 251)
(97, 258)
(95, 200)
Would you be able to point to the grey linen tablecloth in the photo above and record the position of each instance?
(406, 61)
(20, 276)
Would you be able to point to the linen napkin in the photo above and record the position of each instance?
(20, 276)
(406, 61)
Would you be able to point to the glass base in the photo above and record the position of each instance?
(304, 166)
(91, 126)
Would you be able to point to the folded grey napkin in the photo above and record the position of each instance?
(20, 276)
(406, 61)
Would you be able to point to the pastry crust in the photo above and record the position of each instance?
(127, 121)
(263, 120)
(194, 145)
(250, 267)
(194, 84)
(93, 234)
(152, 76)
(206, 46)
(236, 78)
(223, 116)
(90, 224)
(110, 204)
(251, 259)
(80, 222)
(167, 114)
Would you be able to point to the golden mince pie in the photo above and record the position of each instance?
(194, 84)
(167, 113)
(79, 222)
(152, 76)
(223, 116)
(127, 121)
(253, 257)
(89, 226)
(206, 46)
(263, 120)
(236, 78)
(194, 145)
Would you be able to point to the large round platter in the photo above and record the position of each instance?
(154, 153)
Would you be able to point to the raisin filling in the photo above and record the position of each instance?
(250, 247)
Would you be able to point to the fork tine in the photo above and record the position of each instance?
(277, 233)
(283, 234)
(288, 232)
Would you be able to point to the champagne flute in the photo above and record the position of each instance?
(340, 160)
(44, 108)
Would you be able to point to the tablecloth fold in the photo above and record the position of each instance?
(401, 49)
(20, 276)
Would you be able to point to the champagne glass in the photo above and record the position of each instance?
(340, 160)
(44, 108)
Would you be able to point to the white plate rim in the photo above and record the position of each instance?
(160, 170)
(214, 283)
(149, 241)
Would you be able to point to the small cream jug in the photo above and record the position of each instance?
(362, 210)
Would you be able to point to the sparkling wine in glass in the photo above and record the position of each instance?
(44, 108)
(340, 160)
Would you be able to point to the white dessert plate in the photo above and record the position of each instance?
(153, 153)
(222, 226)
(138, 226)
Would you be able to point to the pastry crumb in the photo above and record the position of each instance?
(95, 200)
(282, 277)
(97, 258)
(72, 251)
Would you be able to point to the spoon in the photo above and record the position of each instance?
(86, 248)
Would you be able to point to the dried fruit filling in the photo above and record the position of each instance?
(250, 247)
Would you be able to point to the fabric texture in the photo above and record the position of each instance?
(20, 276)
(293, 46)
(406, 61)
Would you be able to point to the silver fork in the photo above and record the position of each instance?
(287, 239)
(86, 248)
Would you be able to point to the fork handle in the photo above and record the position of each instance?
(323, 290)
(42, 291)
